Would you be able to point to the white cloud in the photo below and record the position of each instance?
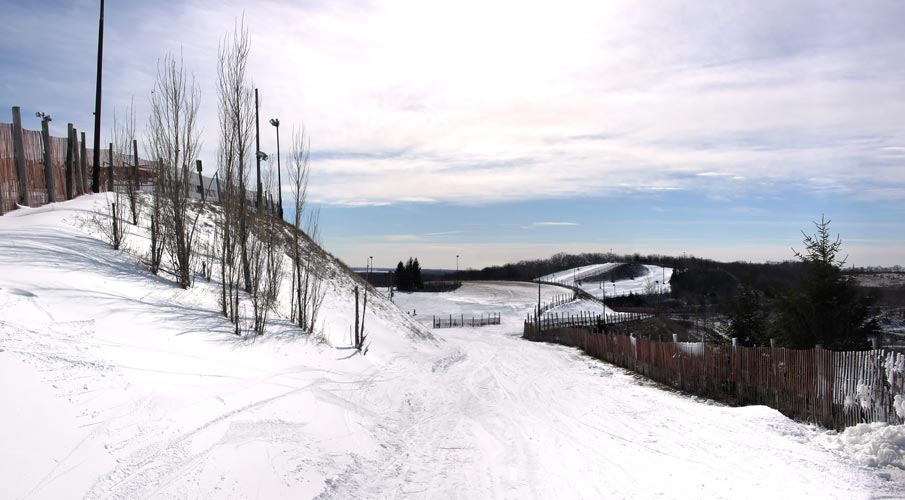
(471, 102)
(553, 224)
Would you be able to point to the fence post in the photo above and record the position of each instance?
(110, 169)
(83, 164)
(19, 155)
(135, 178)
(48, 164)
(69, 158)
(76, 161)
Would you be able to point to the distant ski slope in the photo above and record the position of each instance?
(655, 280)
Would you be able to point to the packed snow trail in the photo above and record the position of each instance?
(118, 385)
(500, 417)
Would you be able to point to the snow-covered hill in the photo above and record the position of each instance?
(649, 279)
(119, 385)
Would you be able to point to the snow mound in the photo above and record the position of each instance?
(873, 445)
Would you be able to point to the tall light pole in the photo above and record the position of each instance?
(457, 268)
(276, 123)
(657, 282)
(538, 302)
(603, 301)
(96, 170)
(258, 152)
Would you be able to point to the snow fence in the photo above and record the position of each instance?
(833, 389)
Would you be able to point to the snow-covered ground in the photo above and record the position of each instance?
(655, 279)
(117, 384)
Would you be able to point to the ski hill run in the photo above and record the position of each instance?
(117, 384)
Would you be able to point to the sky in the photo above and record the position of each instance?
(500, 131)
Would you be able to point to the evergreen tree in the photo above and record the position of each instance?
(408, 275)
(417, 281)
(403, 282)
(748, 318)
(826, 309)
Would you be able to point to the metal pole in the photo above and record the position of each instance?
(200, 179)
(258, 151)
(279, 175)
(96, 172)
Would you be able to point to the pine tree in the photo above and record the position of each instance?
(417, 282)
(748, 318)
(402, 281)
(826, 309)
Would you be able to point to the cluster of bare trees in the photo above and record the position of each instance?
(124, 180)
(173, 140)
(252, 246)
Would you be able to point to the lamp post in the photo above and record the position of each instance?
(200, 179)
(258, 197)
(537, 317)
(657, 282)
(276, 123)
(457, 268)
(603, 301)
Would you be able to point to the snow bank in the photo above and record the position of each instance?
(873, 445)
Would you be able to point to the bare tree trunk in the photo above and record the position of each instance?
(173, 137)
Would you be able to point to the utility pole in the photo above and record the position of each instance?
(96, 172)
(276, 123)
(200, 179)
(258, 151)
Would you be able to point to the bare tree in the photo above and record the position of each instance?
(124, 147)
(173, 139)
(307, 281)
(266, 251)
(359, 340)
(236, 119)
(236, 110)
(158, 235)
(298, 178)
(314, 278)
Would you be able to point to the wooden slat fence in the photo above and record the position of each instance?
(558, 300)
(586, 320)
(9, 190)
(451, 320)
(833, 389)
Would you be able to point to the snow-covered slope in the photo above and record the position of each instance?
(651, 279)
(118, 385)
